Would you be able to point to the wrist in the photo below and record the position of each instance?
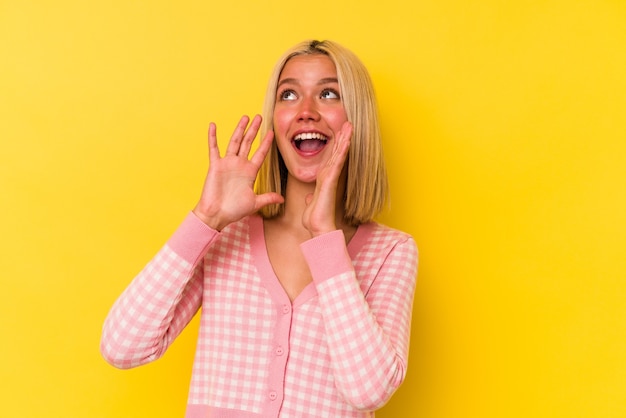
(212, 222)
(322, 231)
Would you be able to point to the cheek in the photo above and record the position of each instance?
(338, 118)
(280, 121)
(280, 131)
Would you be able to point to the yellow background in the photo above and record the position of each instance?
(505, 132)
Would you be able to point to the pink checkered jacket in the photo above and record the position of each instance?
(339, 349)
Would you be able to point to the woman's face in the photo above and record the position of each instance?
(308, 114)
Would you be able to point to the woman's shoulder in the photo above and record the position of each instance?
(375, 237)
(380, 231)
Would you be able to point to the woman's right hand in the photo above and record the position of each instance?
(228, 193)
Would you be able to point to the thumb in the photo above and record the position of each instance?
(308, 199)
(268, 199)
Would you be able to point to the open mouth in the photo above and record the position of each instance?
(310, 141)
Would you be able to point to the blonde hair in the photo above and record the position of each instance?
(366, 184)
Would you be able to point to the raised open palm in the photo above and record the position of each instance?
(319, 215)
(228, 193)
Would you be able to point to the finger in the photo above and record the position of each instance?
(250, 134)
(237, 136)
(346, 136)
(340, 148)
(343, 145)
(268, 199)
(264, 147)
(214, 152)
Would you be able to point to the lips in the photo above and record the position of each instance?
(309, 142)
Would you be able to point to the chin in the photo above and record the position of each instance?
(308, 175)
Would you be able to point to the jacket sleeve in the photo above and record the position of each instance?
(368, 334)
(160, 301)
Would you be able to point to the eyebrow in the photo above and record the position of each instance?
(327, 80)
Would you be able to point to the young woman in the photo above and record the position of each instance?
(306, 301)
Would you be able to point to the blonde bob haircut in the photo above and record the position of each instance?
(366, 184)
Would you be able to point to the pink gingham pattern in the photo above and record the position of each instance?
(339, 350)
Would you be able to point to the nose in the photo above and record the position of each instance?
(308, 109)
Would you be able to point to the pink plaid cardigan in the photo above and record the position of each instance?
(339, 350)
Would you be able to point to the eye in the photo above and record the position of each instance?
(287, 95)
(329, 94)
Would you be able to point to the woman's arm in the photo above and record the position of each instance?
(164, 297)
(368, 334)
(160, 301)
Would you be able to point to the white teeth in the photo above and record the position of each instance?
(309, 135)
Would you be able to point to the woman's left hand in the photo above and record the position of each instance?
(320, 212)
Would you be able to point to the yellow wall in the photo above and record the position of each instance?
(505, 130)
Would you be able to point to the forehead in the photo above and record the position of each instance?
(314, 67)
